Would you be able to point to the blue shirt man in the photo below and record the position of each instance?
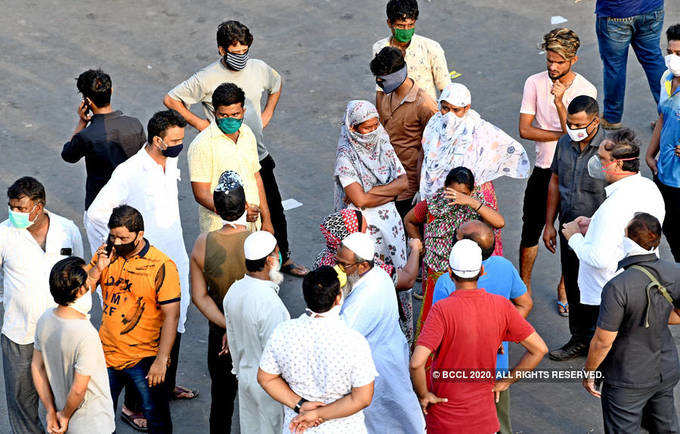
(668, 164)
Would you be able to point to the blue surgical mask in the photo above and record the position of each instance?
(391, 82)
(229, 125)
(20, 220)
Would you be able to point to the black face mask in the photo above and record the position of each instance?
(172, 151)
(124, 250)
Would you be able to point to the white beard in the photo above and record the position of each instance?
(352, 280)
(276, 276)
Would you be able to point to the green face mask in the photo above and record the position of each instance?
(229, 125)
(404, 35)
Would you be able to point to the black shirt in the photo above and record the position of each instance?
(640, 357)
(580, 194)
(106, 142)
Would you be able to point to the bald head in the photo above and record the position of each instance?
(480, 233)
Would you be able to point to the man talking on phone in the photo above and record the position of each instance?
(103, 136)
(141, 292)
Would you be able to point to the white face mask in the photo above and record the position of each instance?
(631, 248)
(578, 134)
(83, 304)
(673, 64)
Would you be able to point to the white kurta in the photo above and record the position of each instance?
(600, 251)
(142, 183)
(371, 309)
(253, 309)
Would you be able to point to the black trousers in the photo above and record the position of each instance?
(271, 191)
(582, 317)
(132, 399)
(223, 384)
(671, 223)
(625, 410)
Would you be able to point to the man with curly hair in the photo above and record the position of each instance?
(543, 119)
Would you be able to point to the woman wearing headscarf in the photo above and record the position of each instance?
(456, 202)
(458, 136)
(340, 224)
(368, 177)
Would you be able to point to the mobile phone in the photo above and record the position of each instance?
(109, 246)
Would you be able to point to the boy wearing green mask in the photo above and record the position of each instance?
(424, 57)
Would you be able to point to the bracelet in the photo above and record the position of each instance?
(481, 204)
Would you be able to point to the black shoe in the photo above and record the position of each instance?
(570, 351)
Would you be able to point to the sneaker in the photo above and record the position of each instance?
(570, 351)
(609, 125)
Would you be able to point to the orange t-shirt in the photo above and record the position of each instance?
(134, 290)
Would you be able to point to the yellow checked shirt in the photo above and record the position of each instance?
(212, 153)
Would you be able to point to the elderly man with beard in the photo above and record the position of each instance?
(370, 307)
(253, 309)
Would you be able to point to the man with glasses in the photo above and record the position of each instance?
(227, 144)
(370, 307)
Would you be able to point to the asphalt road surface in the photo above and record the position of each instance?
(322, 50)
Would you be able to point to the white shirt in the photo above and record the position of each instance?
(26, 271)
(321, 359)
(142, 183)
(371, 309)
(253, 309)
(600, 251)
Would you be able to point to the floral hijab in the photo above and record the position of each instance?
(335, 228)
(470, 141)
(368, 159)
(442, 222)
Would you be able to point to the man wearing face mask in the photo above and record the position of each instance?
(572, 193)
(227, 144)
(425, 58)
(370, 307)
(147, 181)
(666, 142)
(141, 291)
(32, 240)
(633, 347)
(255, 78)
(598, 241)
(69, 369)
(317, 359)
(253, 309)
(404, 109)
(542, 118)
(217, 261)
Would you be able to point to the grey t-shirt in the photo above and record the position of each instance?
(69, 346)
(254, 79)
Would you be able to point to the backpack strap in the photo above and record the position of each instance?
(653, 283)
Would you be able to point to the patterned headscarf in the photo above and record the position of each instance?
(368, 159)
(335, 228)
(470, 141)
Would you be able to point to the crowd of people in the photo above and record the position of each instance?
(414, 199)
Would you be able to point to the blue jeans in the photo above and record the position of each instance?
(614, 35)
(155, 404)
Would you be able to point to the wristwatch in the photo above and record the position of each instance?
(298, 406)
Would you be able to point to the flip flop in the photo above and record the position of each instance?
(290, 270)
(562, 308)
(179, 390)
(130, 420)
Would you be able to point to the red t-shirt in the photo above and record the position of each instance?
(464, 332)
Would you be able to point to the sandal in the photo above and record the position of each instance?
(292, 269)
(130, 420)
(184, 393)
(562, 308)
